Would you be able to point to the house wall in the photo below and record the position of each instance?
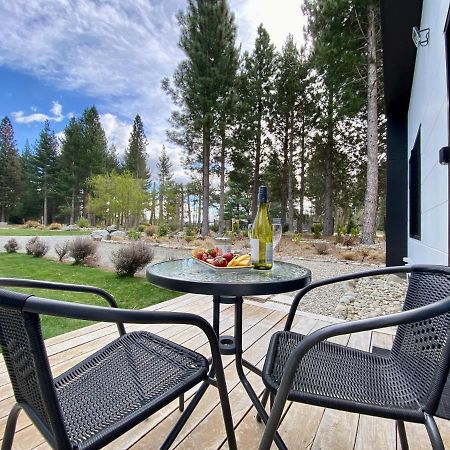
(428, 110)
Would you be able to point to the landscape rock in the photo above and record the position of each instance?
(112, 228)
(71, 228)
(118, 234)
(3, 224)
(98, 235)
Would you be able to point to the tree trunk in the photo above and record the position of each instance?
(255, 186)
(371, 197)
(290, 193)
(161, 202)
(181, 220)
(44, 220)
(302, 176)
(206, 154)
(188, 202)
(222, 183)
(285, 170)
(3, 217)
(72, 207)
(328, 194)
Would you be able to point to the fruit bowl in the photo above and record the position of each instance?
(224, 269)
(215, 259)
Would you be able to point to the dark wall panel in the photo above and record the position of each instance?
(396, 191)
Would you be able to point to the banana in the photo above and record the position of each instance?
(242, 258)
(232, 263)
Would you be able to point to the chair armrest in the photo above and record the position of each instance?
(351, 276)
(412, 315)
(25, 283)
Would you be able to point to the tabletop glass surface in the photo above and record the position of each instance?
(190, 270)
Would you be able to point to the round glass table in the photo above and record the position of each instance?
(188, 275)
(228, 286)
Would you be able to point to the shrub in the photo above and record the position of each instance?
(151, 230)
(189, 238)
(163, 229)
(62, 249)
(354, 232)
(131, 258)
(31, 224)
(348, 240)
(317, 230)
(297, 237)
(134, 235)
(81, 248)
(365, 252)
(142, 227)
(214, 227)
(349, 256)
(11, 246)
(322, 248)
(36, 247)
(189, 231)
(83, 222)
(55, 226)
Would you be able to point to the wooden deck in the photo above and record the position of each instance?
(304, 426)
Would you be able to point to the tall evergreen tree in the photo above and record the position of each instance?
(208, 35)
(10, 170)
(136, 153)
(165, 175)
(27, 207)
(256, 94)
(45, 168)
(93, 150)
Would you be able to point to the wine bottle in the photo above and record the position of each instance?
(261, 239)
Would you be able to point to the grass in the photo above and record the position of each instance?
(130, 293)
(36, 232)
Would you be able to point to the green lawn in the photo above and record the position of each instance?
(132, 293)
(36, 232)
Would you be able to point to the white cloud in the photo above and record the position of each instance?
(117, 52)
(56, 110)
(278, 17)
(116, 131)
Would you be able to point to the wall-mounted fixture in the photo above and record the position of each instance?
(444, 155)
(420, 37)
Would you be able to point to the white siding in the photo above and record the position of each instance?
(428, 109)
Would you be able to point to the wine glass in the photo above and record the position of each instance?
(277, 231)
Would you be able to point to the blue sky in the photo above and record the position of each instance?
(59, 57)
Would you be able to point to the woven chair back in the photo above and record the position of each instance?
(421, 350)
(28, 367)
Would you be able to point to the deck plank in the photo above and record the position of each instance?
(303, 426)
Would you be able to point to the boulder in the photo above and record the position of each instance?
(118, 235)
(112, 228)
(98, 235)
(71, 228)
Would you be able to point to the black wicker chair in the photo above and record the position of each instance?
(407, 384)
(111, 391)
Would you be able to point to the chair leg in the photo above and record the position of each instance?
(264, 399)
(433, 433)
(402, 434)
(181, 402)
(11, 427)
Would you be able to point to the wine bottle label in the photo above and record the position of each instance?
(255, 253)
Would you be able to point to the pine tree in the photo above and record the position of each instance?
(27, 207)
(135, 154)
(208, 35)
(256, 94)
(10, 170)
(165, 175)
(93, 151)
(45, 169)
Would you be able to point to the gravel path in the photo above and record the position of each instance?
(364, 298)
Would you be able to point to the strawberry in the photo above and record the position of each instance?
(212, 252)
(220, 261)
